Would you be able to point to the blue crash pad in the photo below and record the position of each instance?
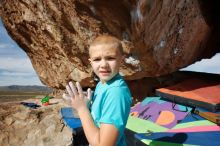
(70, 120)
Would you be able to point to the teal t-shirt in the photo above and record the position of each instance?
(111, 105)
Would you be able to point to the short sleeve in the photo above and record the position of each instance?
(116, 107)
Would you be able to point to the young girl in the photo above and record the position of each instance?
(104, 125)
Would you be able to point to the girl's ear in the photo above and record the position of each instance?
(90, 61)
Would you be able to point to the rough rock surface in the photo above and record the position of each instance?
(22, 126)
(159, 36)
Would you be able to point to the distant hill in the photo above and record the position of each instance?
(19, 88)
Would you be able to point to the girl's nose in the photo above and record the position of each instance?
(103, 63)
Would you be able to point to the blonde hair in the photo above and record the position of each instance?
(107, 40)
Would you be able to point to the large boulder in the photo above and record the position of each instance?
(159, 37)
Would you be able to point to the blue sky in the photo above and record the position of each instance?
(16, 68)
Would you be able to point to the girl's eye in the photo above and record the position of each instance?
(110, 58)
(96, 59)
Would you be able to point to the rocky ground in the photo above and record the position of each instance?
(23, 126)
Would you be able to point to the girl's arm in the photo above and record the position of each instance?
(106, 135)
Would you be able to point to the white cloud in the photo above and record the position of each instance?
(11, 50)
(9, 73)
(17, 71)
(4, 46)
(22, 65)
(19, 80)
(206, 65)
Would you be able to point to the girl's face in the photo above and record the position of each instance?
(105, 61)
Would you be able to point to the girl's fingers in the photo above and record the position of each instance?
(73, 89)
(79, 88)
(70, 92)
(89, 93)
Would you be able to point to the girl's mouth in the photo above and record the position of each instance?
(104, 72)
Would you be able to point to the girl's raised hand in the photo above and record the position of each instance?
(76, 95)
